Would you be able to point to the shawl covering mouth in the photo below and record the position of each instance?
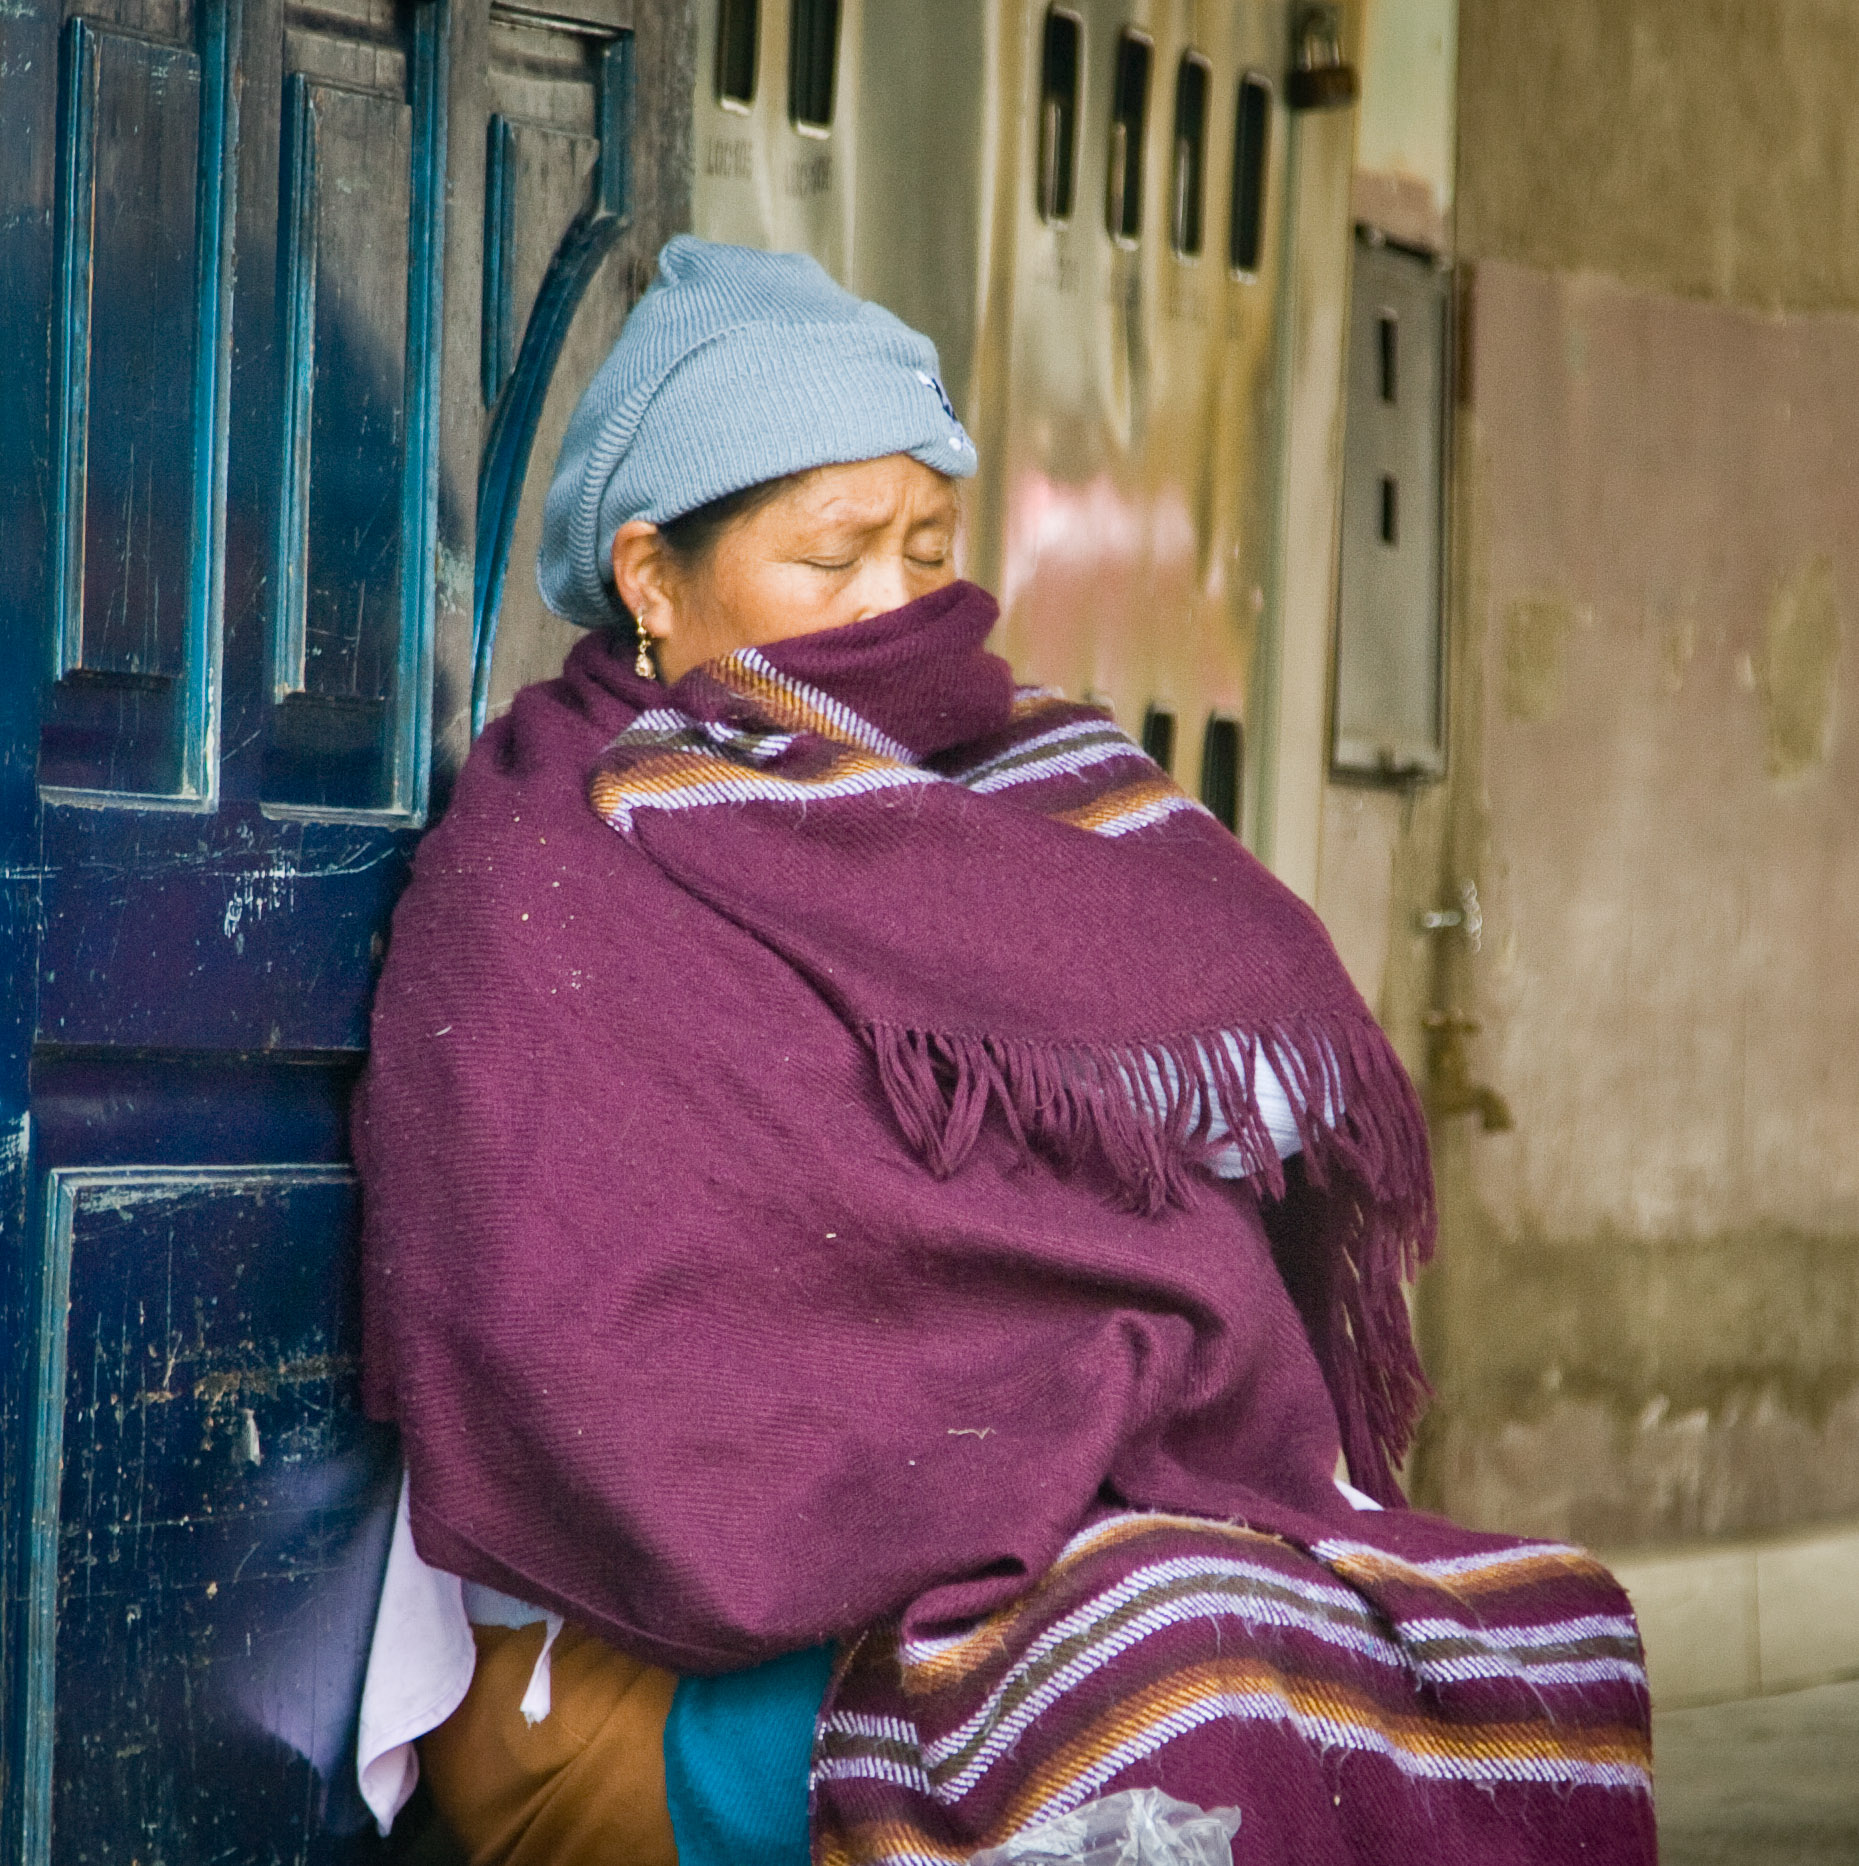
(786, 1180)
(1020, 913)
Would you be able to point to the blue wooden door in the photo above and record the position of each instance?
(282, 288)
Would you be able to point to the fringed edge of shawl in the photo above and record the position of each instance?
(1146, 1112)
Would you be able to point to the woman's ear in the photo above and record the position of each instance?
(643, 575)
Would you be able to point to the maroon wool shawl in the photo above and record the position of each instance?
(785, 1190)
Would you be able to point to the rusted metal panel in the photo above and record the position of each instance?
(1122, 382)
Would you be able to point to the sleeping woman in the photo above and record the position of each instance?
(885, 1226)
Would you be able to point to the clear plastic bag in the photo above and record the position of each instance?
(1138, 1827)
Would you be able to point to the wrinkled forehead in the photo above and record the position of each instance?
(868, 495)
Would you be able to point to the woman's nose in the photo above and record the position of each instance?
(886, 584)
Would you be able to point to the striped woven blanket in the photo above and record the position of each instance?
(667, 760)
(1488, 1706)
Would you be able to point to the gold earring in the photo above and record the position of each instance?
(642, 662)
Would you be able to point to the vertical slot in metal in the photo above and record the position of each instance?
(738, 36)
(1221, 752)
(1252, 128)
(1059, 67)
(1192, 82)
(813, 60)
(1159, 737)
(1129, 116)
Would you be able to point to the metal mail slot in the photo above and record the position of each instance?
(1388, 718)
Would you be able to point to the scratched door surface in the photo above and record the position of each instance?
(284, 285)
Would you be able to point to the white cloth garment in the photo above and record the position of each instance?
(420, 1664)
(1229, 1160)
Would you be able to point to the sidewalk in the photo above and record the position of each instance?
(1770, 1781)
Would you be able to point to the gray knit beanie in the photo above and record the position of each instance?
(737, 366)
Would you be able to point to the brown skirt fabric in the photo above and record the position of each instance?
(585, 1786)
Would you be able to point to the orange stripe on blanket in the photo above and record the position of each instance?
(865, 1841)
(1126, 800)
(659, 775)
(1455, 1751)
(950, 1666)
(1031, 702)
(790, 705)
(1505, 1569)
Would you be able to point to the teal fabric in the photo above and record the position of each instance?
(737, 1752)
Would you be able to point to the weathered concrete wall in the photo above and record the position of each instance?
(1645, 1318)
(1708, 147)
(1649, 1312)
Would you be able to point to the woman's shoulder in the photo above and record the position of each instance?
(571, 718)
(519, 825)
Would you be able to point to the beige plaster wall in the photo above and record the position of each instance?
(1647, 1319)
(1707, 147)
(1644, 1322)
(1408, 112)
(1408, 119)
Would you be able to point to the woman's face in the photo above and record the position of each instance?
(839, 544)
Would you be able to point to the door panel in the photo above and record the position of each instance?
(360, 191)
(347, 214)
(210, 1512)
(131, 155)
(141, 234)
(249, 406)
(540, 180)
(559, 190)
(263, 942)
